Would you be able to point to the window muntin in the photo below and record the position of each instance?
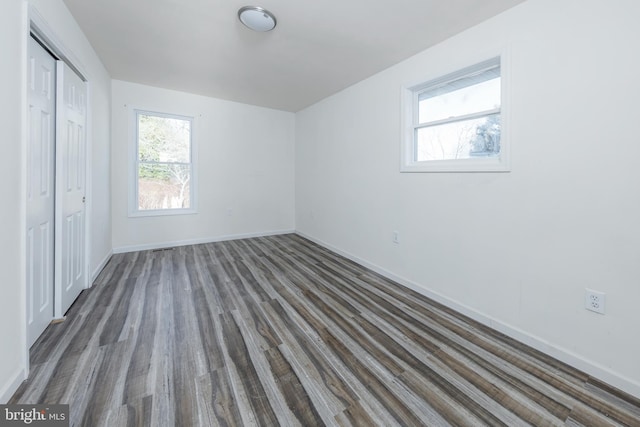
(455, 123)
(164, 163)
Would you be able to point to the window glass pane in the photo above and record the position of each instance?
(163, 139)
(470, 99)
(163, 186)
(459, 140)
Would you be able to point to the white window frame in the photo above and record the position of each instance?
(409, 120)
(134, 165)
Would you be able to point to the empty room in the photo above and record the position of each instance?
(340, 213)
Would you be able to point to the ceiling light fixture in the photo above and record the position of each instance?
(257, 18)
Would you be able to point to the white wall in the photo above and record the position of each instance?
(12, 351)
(13, 41)
(245, 168)
(515, 250)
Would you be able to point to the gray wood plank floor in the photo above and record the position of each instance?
(279, 331)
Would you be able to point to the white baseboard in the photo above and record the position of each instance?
(100, 266)
(12, 385)
(162, 245)
(591, 368)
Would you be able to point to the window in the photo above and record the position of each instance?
(455, 123)
(164, 170)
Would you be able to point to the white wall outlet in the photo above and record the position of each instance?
(594, 301)
(396, 237)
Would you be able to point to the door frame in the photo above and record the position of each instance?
(36, 24)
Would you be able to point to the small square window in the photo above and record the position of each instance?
(164, 170)
(455, 123)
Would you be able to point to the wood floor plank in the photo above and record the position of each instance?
(211, 349)
(381, 390)
(111, 374)
(220, 399)
(277, 330)
(316, 367)
(254, 389)
(186, 364)
(137, 377)
(292, 389)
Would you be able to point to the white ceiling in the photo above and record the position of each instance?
(317, 48)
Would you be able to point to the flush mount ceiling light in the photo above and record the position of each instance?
(257, 18)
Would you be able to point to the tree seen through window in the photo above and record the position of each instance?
(164, 162)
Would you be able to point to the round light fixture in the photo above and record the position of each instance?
(257, 18)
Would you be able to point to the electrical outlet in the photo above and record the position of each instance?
(396, 237)
(594, 301)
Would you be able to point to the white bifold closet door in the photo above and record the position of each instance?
(71, 113)
(55, 206)
(41, 82)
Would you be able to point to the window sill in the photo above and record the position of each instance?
(466, 165)
(162, 212)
